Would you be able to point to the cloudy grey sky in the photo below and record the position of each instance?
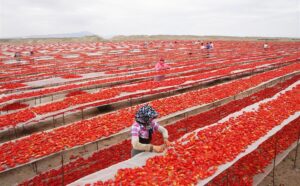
(274, 18)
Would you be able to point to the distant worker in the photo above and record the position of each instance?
(142, 130)
(211, 45)
(161, 65)
(196, 42)
(266, 45)
(207, 46)
(202, 46)
(17, 56)
(145, 44)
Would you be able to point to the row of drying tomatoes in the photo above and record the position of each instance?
(244, 170)
(69, 86)
(79, 167)
(6, 121)
(198, 155)
(195, 64)
(103, 94)
(25, 72)
(79, 133)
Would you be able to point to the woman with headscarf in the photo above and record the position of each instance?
(161, 65)
(142, 130)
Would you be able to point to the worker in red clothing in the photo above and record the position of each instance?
(161, 65)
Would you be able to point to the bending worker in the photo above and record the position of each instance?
(142, 130)
(161, 65)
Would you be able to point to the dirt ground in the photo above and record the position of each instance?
(285, 173)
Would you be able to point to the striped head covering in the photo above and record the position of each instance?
(145, 114)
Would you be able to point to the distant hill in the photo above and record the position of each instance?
(195, 37)
(73, 37)
(66, 35)
(90, 37)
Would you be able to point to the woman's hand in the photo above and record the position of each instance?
(158, 148)
(167, 142)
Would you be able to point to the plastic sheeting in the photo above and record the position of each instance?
(140, 159)
(109, 173)
(59, 80)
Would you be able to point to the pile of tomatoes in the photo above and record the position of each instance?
(14, 106)
(12, 86)
(71, 76)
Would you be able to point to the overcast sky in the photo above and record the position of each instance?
(274, 18)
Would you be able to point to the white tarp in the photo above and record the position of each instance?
(60, 80)
(109, 173)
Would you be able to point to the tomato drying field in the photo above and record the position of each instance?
(232, 112)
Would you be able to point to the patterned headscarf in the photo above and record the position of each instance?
(145, 114)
